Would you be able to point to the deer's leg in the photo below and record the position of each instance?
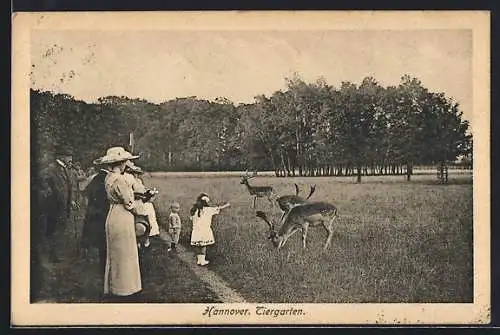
(304, 234)
(285, 213)
(254, 199)
(287, 236)
(329, 228)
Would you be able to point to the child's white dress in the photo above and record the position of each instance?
(202, 233)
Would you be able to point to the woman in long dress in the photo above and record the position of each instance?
(122, 276)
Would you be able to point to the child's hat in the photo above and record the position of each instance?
(204, 197)
(134, 168)
(142, 226)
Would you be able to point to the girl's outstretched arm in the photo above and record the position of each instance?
(224, 206)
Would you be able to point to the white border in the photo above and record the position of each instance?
(181, 314)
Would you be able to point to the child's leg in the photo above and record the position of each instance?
(199, 251)
(171, 233)
(202, 255)
(198, 255)
(171, 237)
(175, 238)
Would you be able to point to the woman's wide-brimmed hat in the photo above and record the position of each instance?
(115, 155)
(134, 168)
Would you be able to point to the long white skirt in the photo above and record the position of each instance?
(150, 211)
(122, 275)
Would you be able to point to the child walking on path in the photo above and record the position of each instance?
(202, 234)
(174, 226)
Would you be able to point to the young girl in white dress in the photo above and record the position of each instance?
(202, 234)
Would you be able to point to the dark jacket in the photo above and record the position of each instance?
(94, 231)
(60, 189)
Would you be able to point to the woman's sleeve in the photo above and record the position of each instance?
(139, 186)
(124, 192)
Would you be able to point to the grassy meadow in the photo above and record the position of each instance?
(395, 241)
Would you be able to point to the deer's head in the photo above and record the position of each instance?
(273, 235)
(246, 176)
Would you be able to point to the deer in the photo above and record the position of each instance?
(257, 191)
(301, 217)
(287, 202)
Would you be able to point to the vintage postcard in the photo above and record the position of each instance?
(258, 168)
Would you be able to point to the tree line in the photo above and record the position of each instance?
(309, 129)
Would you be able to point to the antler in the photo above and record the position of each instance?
(297, 190)
(313, 188)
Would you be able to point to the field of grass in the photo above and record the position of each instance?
(395, 241)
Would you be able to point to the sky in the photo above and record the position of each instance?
(239, 65)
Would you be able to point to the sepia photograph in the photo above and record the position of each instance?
(251, 168)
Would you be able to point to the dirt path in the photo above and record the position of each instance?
(223, 291)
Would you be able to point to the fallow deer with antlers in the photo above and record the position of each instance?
(302, 217)
(257, 191)
(287, 202)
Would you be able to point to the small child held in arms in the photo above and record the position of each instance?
(202, 234)
(174, 226)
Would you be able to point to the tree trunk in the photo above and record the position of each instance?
(446, 173)
(409, 171)
(443, 172)
(358, 179)
(169, 155)
(283, 164)
(290, 167)
(298, 145)
(273, 162)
